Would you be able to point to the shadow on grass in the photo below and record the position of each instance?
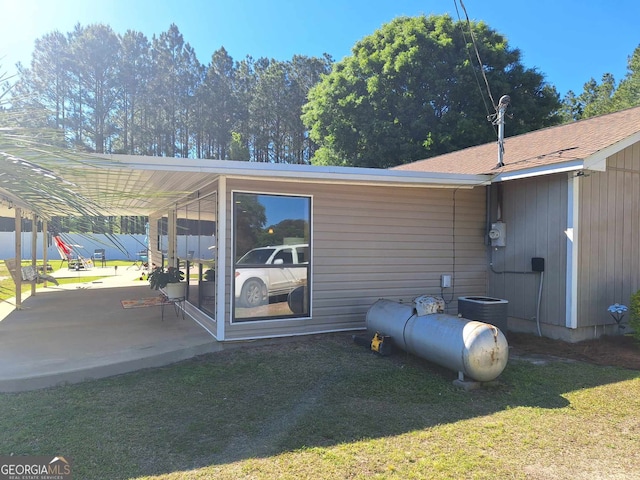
(264, 400)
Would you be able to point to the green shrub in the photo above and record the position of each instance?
(634, 314)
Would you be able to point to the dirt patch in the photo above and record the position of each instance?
(619, 350)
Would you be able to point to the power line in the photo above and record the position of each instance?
(490, 116)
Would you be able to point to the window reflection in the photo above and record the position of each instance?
(271, 252)
(196, 249)
(163, 237)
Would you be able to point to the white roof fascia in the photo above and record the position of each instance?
(269, 171)
(569, 166)
(419, 180)
(598, 161)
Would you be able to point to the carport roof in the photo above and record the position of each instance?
(50, 184)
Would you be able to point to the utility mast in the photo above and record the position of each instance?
(502, 108)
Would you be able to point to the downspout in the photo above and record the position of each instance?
(573, 211)
(487, 215)
(487, 227)
(539, 302)
(499, 188)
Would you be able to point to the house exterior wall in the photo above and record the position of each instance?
(535, 213)
(609, 240)
(370, 242)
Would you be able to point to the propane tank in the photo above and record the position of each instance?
(475, 349)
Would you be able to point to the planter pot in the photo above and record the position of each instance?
(174, 290)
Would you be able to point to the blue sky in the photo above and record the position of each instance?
(569, 41)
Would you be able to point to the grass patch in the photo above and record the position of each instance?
(8, 288)
(326, 408)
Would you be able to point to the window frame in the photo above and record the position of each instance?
(307, 266)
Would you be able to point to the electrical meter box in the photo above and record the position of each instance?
(498, 234)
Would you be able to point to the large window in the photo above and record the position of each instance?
(272, 261)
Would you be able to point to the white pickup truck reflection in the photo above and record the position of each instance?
(254, 285)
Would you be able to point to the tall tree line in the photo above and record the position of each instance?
(606, 96)
(390, 102)
(110, 93)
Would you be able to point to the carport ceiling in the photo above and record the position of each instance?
(53, 185)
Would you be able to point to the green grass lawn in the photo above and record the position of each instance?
(8, 288)
(324, 408)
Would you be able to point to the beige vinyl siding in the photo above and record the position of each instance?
(370, 242)
(609, 248)
(535, 213)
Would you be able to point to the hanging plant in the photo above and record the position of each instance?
(159, 277)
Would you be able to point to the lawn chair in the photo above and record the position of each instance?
(98, 254)
(67, 254)
(65, 251)
(30, 274)
(142, 260)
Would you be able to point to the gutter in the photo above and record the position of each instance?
(333, 174)
(570, 166)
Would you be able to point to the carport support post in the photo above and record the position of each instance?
(34, 248)
(18, 258)
(45, 260)
(172, 220)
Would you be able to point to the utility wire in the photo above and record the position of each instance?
(490, 116)
(475, 47)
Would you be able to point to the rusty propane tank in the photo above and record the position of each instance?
(475, 349)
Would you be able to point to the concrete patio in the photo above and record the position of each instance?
(70, 333)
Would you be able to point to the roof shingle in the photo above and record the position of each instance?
(572, 141)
